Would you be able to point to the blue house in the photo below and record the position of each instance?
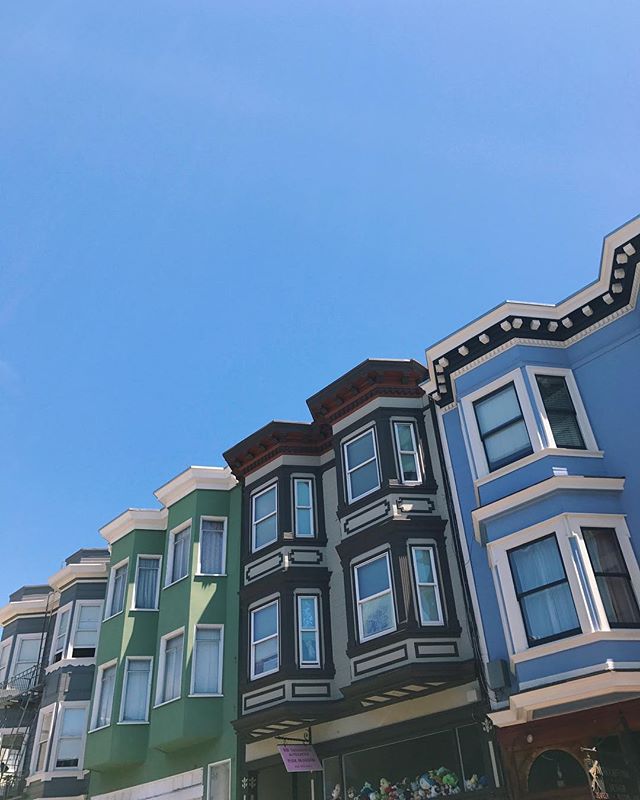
(538, 409)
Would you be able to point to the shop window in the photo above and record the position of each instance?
(555, 769)
(612, 577)
(543, 591)
(407, 452)
(374, 598)
(445, 763)
(361, 465)
(264, 518)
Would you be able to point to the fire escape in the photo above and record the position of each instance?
(20, 697)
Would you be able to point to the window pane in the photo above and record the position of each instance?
(549, 612)
(497, 409)
(172, 668)
(377, 615)
(423, 564)
(405, 439)
(429, 604)
(303, 493)
(28, 655)
(566, 430)
(265, 504)
(536, 564)
(86, 634)
(603, 549)
(266, 656)
(147, 582)
(364, 479)
(619, 600)
(70, 740)
(265, 622)
(309, 647)
(73, 722)
(106, 696)
(119, 589)
(560, 411)
(409, 467)
(43, 740)
(266, 531)
(212, 547)
(308, 612)
(137, 688)
(372, 578)
(181, 554)
(219, 781)
(507, 444)
(303, 522)
(360, 450)
(207, 658)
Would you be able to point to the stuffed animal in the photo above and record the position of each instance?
(472, 784)
(336, 793)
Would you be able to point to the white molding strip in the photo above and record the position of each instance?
(184, 786)
(217, 478)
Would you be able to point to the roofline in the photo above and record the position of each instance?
(146, 519)
(212, 478)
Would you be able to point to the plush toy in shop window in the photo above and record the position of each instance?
(351, 793)
(336, 792)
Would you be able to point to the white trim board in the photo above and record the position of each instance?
(184, 786)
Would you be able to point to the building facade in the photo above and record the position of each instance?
(166, 683)
(537, 409)
(47, 658)
(354, 627)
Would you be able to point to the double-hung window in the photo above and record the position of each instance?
(374, 598)
(543, 591)
(308, 631)
(612, 577)
(136, 690)
(103, 699)
(213, 545)
(70, 728)
(560, 411)
(43, 736)
(502, 427)
(178, 561)
(427, 589)
(26, 656)
(117, 589)
(170, 672)
(303, 502)
(264, 517)
(361, 465)
(207, 660)
(59, 646)
(147, 583)
(265, 647)
(86, 628)
(407, 452)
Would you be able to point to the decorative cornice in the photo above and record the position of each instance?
(91, 570)
(613, 294)
(214, 478)
(145, 519)
(24, 608)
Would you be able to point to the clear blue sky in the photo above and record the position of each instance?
(210, 210)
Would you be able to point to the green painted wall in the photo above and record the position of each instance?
(189, 732)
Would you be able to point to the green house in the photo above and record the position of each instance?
(165, 690)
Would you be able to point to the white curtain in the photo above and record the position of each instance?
(147, 585)
(135, 701)
(207, 658)
(211, 547)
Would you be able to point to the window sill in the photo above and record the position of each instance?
(264, 675)
(101, 728)
(219, 694)
(571, 642)
(58, 773)
(169, 585)
(367, 639)
(530, 459)
(133, 722)
(136, 610)
(166, 702)
(210, 575)
(113, 616)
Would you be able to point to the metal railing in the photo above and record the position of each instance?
(22, 683)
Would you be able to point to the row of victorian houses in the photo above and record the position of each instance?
(434, 582)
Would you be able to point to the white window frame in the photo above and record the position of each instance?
(5, 646)
(125, 679)
(95, 708)
(76, 621)
(192, 691)
(226, 761)
(312, 508)
(316, 598)
(50, 709)
(171, 543)
(162, 650)
(580, 576)
(477, 455)
(110, 587)
(255, 521)
(355, 567)
(225, 521)
(20, 637)
(371, 430)
(436, 584)
(252, 643)
(581, 412)
(134, 599)
(68, 607)
(411, 422)
(57, 732)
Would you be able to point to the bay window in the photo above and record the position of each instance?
(374, 597)
(361, 465)
(265, 646)
(264, 517)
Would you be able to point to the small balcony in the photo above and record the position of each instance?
(16, 687)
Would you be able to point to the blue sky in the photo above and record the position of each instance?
(210, 210)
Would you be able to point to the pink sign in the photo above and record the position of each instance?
(299, 758)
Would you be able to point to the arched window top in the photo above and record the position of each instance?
(555, 769)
